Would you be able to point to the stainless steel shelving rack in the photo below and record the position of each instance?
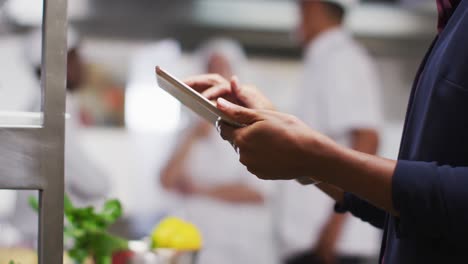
(46, 128)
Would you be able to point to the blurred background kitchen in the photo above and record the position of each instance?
(125, 130)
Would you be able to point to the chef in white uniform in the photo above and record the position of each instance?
(231, 208)
(17, 90)
(339, 96)
(85, 182)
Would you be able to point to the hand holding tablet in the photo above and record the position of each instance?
(191, 98)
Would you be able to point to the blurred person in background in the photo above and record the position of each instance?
(85, 182)
(221, 198)
(17, 88)
(338, 97)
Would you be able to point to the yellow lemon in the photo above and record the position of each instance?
(188, 237)
(164, 231)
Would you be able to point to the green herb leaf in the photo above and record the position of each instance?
(103, 259)
(78, 254)
(33, 203)
(111, 212)
(88, 231)
(67, 204)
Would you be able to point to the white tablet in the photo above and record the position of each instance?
(191, 98)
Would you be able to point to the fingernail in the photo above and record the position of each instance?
(223, 103)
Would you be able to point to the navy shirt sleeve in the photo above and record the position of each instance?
(432, 200)
(361, 209)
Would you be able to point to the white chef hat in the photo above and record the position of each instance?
(228, 48)
(33, 45)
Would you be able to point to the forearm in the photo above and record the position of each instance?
(332, 229)
(171, 174)
(336, 223)
(235, 193)
(363, 140)
(367, 176)
(173, 171)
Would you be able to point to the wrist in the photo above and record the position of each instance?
(326, 158)
(358, 173)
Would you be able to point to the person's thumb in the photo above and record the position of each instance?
(238, 113)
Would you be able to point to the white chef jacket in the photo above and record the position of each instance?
(18, 92)
(232, 233)
(19, 89)
(340, 93)
(85, 182)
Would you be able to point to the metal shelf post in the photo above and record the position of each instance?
(46, 148)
